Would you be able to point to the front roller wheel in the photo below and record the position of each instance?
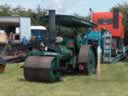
(41, 69)
(87, 59)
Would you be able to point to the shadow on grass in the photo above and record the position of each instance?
(39, 82)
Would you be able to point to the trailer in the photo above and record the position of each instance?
(9, 24)
(15, 34)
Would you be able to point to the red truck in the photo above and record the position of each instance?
(112, 21)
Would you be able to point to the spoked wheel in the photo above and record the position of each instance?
(87, 59)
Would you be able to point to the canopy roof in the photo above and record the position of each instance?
(71, 21)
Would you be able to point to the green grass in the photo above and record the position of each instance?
(114, 83)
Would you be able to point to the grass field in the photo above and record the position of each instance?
(114, 83)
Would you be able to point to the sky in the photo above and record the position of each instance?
(80, 7)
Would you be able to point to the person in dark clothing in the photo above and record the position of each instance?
(10, 38)
(11, 42)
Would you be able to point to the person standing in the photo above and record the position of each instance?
(11, 42)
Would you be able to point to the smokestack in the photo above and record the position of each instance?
(52, 26)
(51, 40)
(116, 18)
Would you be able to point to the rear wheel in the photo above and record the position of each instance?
(87, 60)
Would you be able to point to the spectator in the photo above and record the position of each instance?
(11, 41)
(10, 38)
(24, 43)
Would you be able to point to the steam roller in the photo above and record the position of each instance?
(65, 52)
(50, 68)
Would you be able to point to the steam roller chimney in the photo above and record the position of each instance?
(52, 26)
(52, 31)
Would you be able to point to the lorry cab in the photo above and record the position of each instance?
(106, 20)
(39, 32)
(113, 22)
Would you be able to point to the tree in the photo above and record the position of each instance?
(5, 10)
(123, 8)
(40, 13)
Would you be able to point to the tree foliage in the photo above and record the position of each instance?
(123, 8)
(6, 10)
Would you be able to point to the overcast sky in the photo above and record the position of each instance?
(80, 7)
